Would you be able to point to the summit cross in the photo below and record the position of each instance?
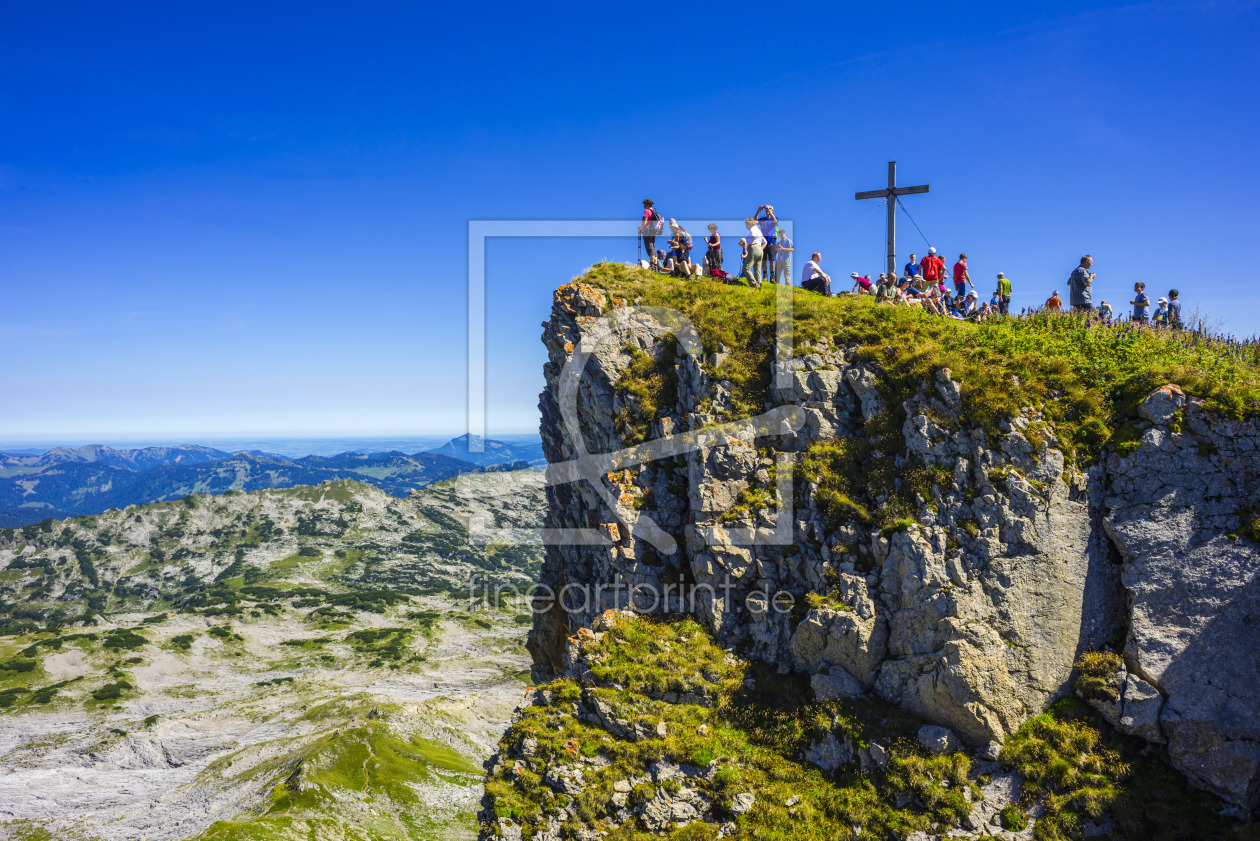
(891, 192)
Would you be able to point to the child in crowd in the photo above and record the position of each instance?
(1160, 318)
(1141, 303)
(1105, 313)
(1055, 303)
(1174, 310)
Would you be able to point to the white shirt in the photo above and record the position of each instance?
(755, 237)
(811, 270)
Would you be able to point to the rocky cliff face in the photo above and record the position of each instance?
(971, 609)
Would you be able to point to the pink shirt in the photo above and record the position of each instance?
(960, 271)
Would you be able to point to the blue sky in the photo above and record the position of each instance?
(234, 221)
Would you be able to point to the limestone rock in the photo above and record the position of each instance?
(972, 618)
(1142, 704)
(829, 753)
(834, 686)
(855, 639)
(1195, 593)
(938, 739)
(743, 802)
(1162, 404)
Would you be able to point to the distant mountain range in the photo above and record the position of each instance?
(67, 482)
(491, 452)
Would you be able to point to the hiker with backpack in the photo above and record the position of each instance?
(652, 226)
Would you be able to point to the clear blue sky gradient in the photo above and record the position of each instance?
(234, 222)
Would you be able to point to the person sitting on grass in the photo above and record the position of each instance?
(814, 278)
(934, 302)
(1054, 303)
(886, 290)
(1141, 303)
(665, 262)
(862, 283)
(681, 245)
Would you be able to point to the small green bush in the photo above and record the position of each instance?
(1013, 819)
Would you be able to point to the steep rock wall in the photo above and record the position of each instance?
(971, 616)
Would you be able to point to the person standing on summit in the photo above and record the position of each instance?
(752, 262)
(932, 267)
(1080, 285)
(962, 278)
(652, 225)
(783, 250)
(767, 224)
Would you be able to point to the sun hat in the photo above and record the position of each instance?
(971, 294)
(855, 274)
(1163, 300)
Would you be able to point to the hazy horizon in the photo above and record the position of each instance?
(289, 446)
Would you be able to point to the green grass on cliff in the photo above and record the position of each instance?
(754, 736)
(1085, 380)
(1082, 770)
(1069, 758)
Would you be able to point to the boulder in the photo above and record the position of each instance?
(835, 686)
(1162, 404)
(938, 740)
(829, 753)
(1195, 593)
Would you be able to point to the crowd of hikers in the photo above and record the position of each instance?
(766, 256)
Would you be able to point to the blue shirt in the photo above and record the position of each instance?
(767, 228)
(782, 241)
(1080, 287)
(1142, 303)
(911, 269)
